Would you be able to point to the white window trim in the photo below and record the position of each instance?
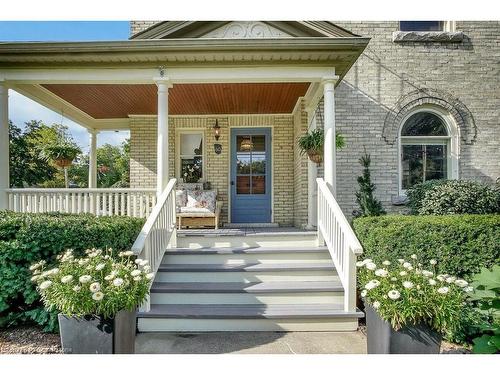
(178, 133)
(452, 140)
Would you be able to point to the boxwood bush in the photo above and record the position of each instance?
(448, 197)
(462, 244)
(28, 238)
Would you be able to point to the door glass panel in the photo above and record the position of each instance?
(243, 184)
(243, 163)
(258, 163)
(251, 164)
(259, 142)
(258, 184)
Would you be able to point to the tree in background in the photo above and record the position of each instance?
(112, 167)
(368, 204)
(27, 167)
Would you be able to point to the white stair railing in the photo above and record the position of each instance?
(158, 233)
(100, 202)
(344, 246)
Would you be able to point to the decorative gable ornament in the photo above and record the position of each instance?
(246, 30)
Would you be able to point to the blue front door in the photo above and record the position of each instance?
(251, 175)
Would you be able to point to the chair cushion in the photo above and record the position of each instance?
(195, 212)
(180, 199)
(201, 199)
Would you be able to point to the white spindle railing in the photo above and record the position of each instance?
(159, 232)
(344, 246)
(100, 202)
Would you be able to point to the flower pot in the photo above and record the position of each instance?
(315, 156)
(94, 335)
(63, 163)
(383, 339)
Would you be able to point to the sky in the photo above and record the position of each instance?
(23, 109)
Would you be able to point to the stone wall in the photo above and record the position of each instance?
(143, 155)
(468, 72)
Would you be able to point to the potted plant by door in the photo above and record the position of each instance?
(407, 306)
(312, 144)
(97, 296)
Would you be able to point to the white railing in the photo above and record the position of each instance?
(159, 232)
(100, 202)
(344, 246)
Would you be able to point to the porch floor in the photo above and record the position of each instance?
(244, 231)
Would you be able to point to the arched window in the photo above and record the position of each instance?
(428, 148)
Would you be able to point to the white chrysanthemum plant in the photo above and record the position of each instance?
(407, 292)
(97, 284)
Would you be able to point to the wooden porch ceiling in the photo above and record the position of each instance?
(108, 101)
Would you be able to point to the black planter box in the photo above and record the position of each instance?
(95, 335)
(383, 339)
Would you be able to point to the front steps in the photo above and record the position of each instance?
(278, 283)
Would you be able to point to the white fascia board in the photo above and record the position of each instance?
(217, 74)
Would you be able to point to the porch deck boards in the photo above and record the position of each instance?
(245, 231)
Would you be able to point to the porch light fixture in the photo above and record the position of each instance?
(246, 144)
(216, 130)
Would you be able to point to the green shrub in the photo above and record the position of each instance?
(417, 192)
(486, 296)
(462, 244)
(454, 197)
(29, 238)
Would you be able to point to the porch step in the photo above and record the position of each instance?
(248, 272)
(253, 254)
(255, 287)
(286, 284)
(248, 267)
(240, 239)
(256, 317)
(246, 250)
(246, 293)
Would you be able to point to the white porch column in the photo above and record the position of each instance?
(312, 174)
(4, 145)
(329, 129)
(162, 147)
(93, 159)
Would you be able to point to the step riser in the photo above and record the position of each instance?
(255, 325)
(196, 242)
(247, 298)
(248, 258)
(246, 276)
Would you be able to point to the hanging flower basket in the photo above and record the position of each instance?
(315, 156)
(63, 163)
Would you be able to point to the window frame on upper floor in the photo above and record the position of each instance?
(446, 26)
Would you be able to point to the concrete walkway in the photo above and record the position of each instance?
(252, 343)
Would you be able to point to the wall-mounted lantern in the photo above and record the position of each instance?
(216, 130)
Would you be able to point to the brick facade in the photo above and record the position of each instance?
(468, 71)
(143, 156)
